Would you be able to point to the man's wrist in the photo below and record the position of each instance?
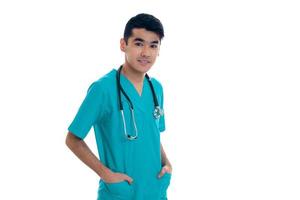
(104, 171)
(168, 164)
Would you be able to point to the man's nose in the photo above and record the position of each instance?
(145, 51)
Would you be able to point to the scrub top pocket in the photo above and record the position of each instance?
(121, 190)
(164, 184)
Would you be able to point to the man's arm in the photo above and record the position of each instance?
(83, 152)
(166, 165)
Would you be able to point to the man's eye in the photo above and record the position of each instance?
(139, 44)
(154, 46)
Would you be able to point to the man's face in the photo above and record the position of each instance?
(141, 49)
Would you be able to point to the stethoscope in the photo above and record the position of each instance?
(157, 113)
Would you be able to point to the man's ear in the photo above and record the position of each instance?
(122, 44)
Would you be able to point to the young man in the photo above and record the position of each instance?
(125, 109)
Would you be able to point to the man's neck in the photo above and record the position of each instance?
(135, 77)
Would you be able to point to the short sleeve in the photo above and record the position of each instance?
(89, 111)
(162, 126)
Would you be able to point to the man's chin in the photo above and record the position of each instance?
(144, 68)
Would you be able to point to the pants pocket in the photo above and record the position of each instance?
(120, 189)
(164, 184)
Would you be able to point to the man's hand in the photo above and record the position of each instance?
(83, 152)
(166, 169)
(112, 177)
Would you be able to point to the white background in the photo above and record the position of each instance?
(230, 71)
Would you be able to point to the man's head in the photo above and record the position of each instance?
(141, 42)
(146, 21)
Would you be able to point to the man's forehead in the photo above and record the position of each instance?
(144, 36)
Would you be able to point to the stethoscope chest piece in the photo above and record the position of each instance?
(158, 112)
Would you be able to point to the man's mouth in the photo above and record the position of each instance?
(143, 61)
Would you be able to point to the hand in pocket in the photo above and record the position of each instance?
(114, 177)
(165, 169)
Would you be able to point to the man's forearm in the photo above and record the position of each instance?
(83, 152)
(164, 158)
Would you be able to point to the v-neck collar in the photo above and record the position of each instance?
(133, 94)
(131, 85)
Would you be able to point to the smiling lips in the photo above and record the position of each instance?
(142, 61)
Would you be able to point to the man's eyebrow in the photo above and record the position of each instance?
(155, 42)
(142, 40)
(139, 39)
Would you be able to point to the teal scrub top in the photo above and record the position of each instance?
(140, 158)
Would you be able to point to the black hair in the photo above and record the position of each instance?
(146, 21)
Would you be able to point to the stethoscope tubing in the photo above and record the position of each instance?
(157, 110)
